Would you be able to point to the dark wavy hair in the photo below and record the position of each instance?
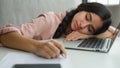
(93, 7)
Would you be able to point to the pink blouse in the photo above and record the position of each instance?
(42, 27)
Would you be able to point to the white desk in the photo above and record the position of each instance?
(84, 59)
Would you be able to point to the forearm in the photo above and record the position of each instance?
(16, 41)
(48, 49)
(110, 33)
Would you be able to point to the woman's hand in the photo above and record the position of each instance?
(75, 35)
(49, 49)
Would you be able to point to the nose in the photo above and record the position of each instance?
(84, 24)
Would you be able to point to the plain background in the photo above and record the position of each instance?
(23, 11)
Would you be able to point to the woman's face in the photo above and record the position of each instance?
(86, 22)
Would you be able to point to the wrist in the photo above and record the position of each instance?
(33, 45)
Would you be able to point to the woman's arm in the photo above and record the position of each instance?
(110, 33)
(49, 49)
(75, 35)
(15, 40)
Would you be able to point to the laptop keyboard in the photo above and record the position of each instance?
(98, 43)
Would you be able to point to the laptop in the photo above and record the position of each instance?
(37, 66)
(91, 44)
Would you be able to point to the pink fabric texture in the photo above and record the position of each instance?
(42, 27)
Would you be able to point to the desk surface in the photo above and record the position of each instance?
(85, 59)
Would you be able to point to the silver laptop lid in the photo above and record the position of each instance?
(118, 28)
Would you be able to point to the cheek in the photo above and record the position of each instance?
(84, 31)
(72, 25)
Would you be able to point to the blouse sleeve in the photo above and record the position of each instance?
(35, 27)
(44, 26)
(29, 30)
(9, 28)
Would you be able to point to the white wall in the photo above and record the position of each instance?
(21, 11)
(115, 10)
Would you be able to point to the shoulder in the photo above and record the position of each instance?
(54, 15)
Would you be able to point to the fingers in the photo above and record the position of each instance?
(55, 51)
(43, 53)
(72, 37)
(61, 47)
(46, 52)
(75, 35)
(50, 49)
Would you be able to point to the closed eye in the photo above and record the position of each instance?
(88, 17)
(91, 29)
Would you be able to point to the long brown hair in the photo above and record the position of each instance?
(93, 7)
